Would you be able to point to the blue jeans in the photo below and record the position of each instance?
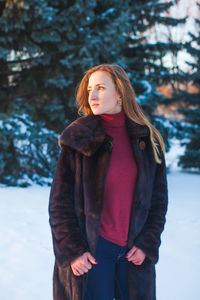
(109, 277)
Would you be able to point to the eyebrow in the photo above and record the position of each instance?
(97, 84)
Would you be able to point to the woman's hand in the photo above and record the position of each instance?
(136, 256)
(82, 264)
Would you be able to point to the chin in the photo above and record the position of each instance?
(96, 111)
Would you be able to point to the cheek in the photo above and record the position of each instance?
(110, 95)
(115, 94)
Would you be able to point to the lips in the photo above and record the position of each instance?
(95, 105)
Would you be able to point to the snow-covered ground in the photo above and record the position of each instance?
(26, 258)
(178, 270)
(26, 254)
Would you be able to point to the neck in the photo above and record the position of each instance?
(113, 120)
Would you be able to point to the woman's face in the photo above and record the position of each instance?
(102, 94)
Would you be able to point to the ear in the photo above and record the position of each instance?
(119, 98)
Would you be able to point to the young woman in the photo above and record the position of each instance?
(109, 195)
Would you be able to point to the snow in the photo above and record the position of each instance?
(176, 34)
(108, 12)
(143, 99)
(172, 157)
(26, 254)
(178, 267)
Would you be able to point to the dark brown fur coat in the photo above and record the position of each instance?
(76, 203)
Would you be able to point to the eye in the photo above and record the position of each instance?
(101, 88)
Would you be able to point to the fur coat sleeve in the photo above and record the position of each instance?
(68, 242)
(149, 239)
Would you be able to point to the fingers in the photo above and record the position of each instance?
(137, 257)
(75, 272)
(91, 259)
(83, 264)
(79, 270)
(131, 252)
(82, 269)
(136, 261)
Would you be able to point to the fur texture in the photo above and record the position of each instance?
(76, 203)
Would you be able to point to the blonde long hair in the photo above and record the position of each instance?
(130, 105)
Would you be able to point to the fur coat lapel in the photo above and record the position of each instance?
(86, 134)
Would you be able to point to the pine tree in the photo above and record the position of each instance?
(190, 129)
(54, 42)
(143, 56)
(21, 164)
(46, 46)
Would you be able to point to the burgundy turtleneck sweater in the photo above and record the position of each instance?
(120, 181)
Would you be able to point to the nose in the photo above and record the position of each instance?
(93, 95)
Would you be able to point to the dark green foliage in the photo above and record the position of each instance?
(144, 59)
(45, 48)
(190, 129)
(28, 151)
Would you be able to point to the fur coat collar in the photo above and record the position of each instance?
(86, 134)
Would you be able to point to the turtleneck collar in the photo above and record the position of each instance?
(114, 120)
